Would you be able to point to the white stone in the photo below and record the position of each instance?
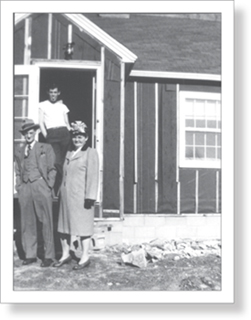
(136, 258)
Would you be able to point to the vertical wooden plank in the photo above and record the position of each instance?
(135, 184)
(122, 139)
(187, 190)
(207, 190)
(196, 191)
(178, 145)
(217, 191)
(58, 41)
(93, 112)
(146, 147)
(167, 202)
(100, 125)
(178, 197)
(57, 34)
(27, 40)
(49, 36)
(55, 39)
(156, 169)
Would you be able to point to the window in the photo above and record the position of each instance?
(21, 86)
(200, 129)
(26, 87)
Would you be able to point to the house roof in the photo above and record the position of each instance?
(157, 43)
(167, 43)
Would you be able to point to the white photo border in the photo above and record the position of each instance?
(226, 295)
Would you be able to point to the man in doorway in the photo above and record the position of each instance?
(35, 177)
(54, 125)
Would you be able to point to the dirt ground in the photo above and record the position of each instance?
(108, 272)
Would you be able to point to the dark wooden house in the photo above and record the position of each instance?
(149, 88)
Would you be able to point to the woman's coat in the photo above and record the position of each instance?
(80, 182)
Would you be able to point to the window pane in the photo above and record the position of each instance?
(199, 108)
(189, 123)
(218, 109)
(21, 85)
(189, 152)
(200, 123)
(199, 138)
(211, 152)
(210, 108)
(199, 152)
(20, 107)
(189, 107)
(189, 138)
(211, 123)
(210, 139)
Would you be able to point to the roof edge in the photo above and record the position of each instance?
(175, 75)
(100, 35)
(21, 16)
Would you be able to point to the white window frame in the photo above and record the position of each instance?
(32, 73)
(194, 163)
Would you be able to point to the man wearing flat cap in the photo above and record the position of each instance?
(35, 178)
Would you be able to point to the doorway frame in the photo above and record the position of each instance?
(33, 71)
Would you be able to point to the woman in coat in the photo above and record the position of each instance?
(77, 195)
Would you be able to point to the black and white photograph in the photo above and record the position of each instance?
(118, 149)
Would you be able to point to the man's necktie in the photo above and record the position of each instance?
(28, 150)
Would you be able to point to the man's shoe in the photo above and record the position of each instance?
(61, 263)
(29, 261)
(82, 265)
(46, 263)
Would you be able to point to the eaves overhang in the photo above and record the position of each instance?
(178, 76)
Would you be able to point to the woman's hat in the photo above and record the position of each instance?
(79, 127)
(28, 124)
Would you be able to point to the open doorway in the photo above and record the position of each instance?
(76, 86)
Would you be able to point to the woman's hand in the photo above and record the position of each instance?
(89, 203)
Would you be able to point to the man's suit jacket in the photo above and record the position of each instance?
(45, 158)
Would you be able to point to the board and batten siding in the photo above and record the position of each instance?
(146, 116)
(155, 161)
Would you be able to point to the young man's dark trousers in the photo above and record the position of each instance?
(59, 138)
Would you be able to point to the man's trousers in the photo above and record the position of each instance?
(59, 138)
(36, 203)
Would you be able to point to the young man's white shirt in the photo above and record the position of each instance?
(53, 113)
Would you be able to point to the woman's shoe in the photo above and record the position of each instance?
(61, 263)
(82, 265)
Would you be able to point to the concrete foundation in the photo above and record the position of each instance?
(140, 228)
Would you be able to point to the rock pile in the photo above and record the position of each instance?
(158, 249)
